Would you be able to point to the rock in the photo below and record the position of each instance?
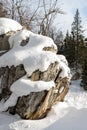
(26, 67)
(52, 48)
(53, 96)
(9, 76)
(29, 104)
(4, 44)
(37, 104)
(34, 105)
(24, 42)
(48, 75)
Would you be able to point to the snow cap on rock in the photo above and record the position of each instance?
(7, 25)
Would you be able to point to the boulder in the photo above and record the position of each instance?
(32, 76)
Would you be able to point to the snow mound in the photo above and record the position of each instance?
(7, 25)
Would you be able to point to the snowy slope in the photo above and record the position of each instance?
(68, 115)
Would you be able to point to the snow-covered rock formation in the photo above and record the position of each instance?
(32, 76)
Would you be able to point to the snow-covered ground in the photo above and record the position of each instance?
(68, 115)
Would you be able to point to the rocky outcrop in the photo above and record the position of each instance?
(32, 76)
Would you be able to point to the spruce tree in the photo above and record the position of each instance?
(77, 28)
(77, 35)
(69, 49)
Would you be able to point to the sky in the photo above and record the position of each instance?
(64, 21)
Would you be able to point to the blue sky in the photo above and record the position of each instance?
(69, 7)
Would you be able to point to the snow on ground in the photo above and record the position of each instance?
(76, 97)
(68, 115)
